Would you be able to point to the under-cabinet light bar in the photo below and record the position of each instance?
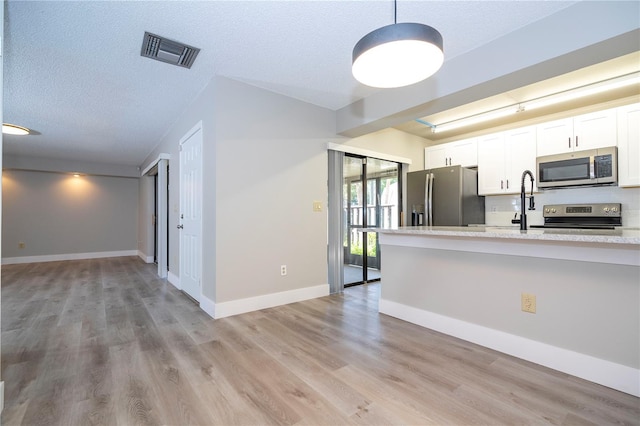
(556, 98)
(580, 92)
(474, 119)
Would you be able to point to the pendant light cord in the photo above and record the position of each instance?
(395, 11)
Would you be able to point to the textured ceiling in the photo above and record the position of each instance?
(73, 70)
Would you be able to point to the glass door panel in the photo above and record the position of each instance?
(382, 207)
(353, 219)
(370, 200)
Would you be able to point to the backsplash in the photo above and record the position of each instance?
(500, 209)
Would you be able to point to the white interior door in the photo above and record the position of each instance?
(191, 212)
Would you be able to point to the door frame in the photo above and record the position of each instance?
(162, 200)
(335, 249)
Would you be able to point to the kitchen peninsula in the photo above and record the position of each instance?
(468, 282)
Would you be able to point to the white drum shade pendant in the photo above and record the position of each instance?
(13, 129)
(397, 55)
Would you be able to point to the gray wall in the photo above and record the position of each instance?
(394, 142)
(265, 164)
(202, 109)
(41, 164)
(56, 214)
(146, 189)
(587, 307)
(271, 164)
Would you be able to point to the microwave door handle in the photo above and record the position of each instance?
(592, 167)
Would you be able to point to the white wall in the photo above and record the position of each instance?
(58, 214)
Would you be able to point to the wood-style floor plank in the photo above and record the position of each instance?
(105, 342)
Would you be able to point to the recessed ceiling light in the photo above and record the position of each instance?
(12, 129)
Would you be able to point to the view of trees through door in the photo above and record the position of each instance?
(370, 200)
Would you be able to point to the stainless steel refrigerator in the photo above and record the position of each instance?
(447, 196)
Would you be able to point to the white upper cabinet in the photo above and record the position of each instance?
(491, 164)
(629, 145)
(587, 131)
(460, 153)
(435, 156)
(502, 157)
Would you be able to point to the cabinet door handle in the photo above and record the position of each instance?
(569, 142)
(501, 184)
(576, 141)
(507, 183)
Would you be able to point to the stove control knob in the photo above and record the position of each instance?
(553, 210)
(614, 209)
(546, 210)
(606, 209)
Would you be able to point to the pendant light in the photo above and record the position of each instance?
(13, 129)
(397, 55)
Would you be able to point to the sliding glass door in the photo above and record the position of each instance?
(370, 200)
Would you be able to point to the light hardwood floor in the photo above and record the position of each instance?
(106, 342)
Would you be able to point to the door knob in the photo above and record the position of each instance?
(180, 226)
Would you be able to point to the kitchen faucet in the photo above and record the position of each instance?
(523, 216)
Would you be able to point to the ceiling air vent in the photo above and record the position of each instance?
(169, 51)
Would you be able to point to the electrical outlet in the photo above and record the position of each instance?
(528, 302)
(283, 270)
(21, 245)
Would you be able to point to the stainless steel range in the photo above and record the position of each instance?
(582, 216)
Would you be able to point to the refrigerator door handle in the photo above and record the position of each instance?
(425, 215)
(431, 179)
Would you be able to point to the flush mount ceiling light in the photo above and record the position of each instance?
(544, 101)
(12, 129)
(397, 55)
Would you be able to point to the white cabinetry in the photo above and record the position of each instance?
(629, 145)
(502, 157)
(460, 153)
(587, 131)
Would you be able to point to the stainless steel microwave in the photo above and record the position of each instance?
(578, 168)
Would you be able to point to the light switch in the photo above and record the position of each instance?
(317, 206)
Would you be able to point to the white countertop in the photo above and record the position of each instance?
(617, 236)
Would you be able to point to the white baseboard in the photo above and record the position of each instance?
(241, 306)
(174, 279)
(617, 376)
(70, 256)
(144, 257)
(208, 305)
